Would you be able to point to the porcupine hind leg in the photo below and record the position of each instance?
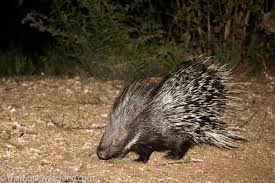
(179, 152)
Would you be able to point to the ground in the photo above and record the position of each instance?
(50, 128)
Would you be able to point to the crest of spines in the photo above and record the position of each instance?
(193, 99)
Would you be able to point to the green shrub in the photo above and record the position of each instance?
(118, 39)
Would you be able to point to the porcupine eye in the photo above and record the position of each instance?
(116, 142)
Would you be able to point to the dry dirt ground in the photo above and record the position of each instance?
(49, 130)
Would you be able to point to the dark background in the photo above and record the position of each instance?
(108, 39)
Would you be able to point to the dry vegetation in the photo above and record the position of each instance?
(50, 127)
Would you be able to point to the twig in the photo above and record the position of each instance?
(247, 121)
(181, 162)
(55, 123)
(85, 128)
(11, 143)
(78, 115)
(62, 126)
(263, 128)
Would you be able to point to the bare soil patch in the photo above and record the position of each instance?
(50, 127)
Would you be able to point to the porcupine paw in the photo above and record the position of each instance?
(179, 152)
(174, 155)
(143, 158)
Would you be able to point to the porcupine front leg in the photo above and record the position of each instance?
(179, 152)
(144, 156)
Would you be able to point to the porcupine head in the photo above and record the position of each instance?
(121, 129)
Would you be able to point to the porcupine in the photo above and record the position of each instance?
(184, 109)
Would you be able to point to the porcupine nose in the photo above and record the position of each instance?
(102, 154)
